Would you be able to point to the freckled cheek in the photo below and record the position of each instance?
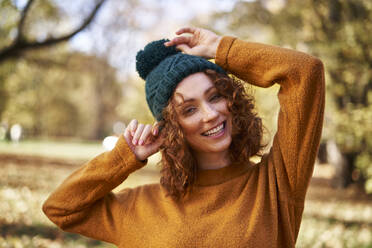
(222, 106)
(223, 110)
(190, 126)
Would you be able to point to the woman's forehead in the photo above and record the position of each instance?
(193, 86)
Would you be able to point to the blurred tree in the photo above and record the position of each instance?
(19, 28)
(47, 101)
(133, 104)
(339, 33)
(48, 97)
(34, 25)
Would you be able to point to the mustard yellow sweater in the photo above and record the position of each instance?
(242, 205)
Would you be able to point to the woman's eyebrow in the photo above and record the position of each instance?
(192, 99)
(209, 89)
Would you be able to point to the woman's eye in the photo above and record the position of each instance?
(215, 97)
(188, 111)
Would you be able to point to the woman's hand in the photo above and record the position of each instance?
(202, 43)
(143, 140)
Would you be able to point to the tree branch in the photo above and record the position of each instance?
(20, 45)
(22, 20)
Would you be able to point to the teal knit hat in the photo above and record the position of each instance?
(163, 68)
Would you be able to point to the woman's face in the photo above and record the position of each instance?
(203, 114)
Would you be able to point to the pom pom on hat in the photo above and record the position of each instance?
(150, 57)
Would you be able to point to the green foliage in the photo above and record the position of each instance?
(339, 33)
(70, 95)
(5, 70)
(134, 105)
(27, 31)
(44, 10)
(9, 15)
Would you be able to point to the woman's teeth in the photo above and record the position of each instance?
(214, 130)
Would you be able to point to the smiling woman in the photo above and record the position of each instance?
(208, 128)
(204, 118)
(210, 193)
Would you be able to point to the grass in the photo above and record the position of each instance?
(23, 189)
(332, 218)
(53, 149)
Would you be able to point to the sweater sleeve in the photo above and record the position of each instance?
(301, 98)
(84, 203)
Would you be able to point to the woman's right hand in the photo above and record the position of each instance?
(143, 140)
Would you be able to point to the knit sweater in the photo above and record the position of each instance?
(241, 205)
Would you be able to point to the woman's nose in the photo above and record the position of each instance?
(209, 113)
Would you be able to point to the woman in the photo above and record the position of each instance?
(210, 195)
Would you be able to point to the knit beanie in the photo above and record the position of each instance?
(163, 68)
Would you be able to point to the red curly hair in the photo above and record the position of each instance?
(179, 167)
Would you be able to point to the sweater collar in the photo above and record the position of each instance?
(221, 175)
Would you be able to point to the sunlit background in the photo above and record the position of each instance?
(68, 88)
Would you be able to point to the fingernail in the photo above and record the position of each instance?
(156, 132)
(140, 142)
(134, 141)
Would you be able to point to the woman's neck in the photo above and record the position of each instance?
(212, 161)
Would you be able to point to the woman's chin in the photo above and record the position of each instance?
(215, 147)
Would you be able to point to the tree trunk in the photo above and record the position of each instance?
(343, 164)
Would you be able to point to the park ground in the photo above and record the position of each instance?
(30, 171)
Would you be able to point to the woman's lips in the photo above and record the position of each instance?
(216, 131)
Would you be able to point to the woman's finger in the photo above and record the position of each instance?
(127, 128)
(127, 131)
(186, 30)
(184, 48)
(178, 40)
(128, 135)
(133, 126)
(145, 135)
(155, 129)
(138, 133)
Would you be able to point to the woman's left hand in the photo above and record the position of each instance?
(202, 43)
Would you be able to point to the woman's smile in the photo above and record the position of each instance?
(217, 131)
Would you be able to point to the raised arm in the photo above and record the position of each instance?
(84, 203)
(301, 98)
